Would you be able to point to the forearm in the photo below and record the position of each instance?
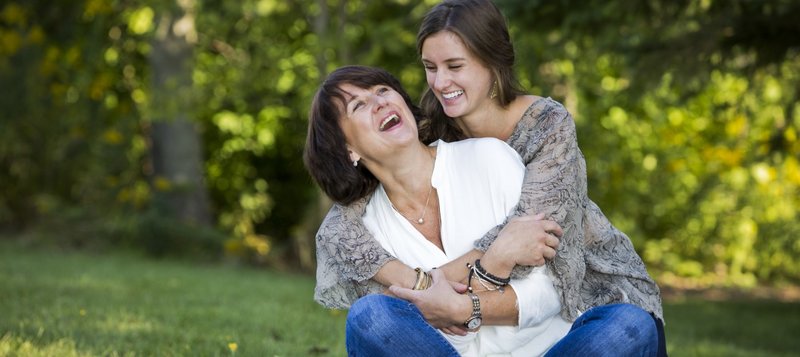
(524, 242)
(346, 250)
(396, 273)
(497, 262)
(456, 270)
(499, 308)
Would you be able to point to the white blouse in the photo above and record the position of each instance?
(478, 182)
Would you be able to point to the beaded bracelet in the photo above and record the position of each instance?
(473, 273)
(485, 275)
(489, 286)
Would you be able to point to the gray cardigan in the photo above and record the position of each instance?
(595, 263)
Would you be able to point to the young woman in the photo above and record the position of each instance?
(362, 116)
(468, 59)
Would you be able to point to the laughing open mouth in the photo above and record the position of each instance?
(452, 95)
(389, 122)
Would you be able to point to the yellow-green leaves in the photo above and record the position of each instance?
(141, 20)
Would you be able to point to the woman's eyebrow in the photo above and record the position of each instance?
(449, 60)
(349, 98)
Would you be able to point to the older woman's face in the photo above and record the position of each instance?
(376, 122)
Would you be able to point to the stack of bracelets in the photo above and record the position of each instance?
(424, 279)
(485, 278)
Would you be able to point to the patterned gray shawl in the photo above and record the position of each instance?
(595, 263)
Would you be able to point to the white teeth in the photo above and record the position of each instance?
(452, 95)
(388, 120)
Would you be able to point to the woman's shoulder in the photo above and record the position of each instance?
(544, 121)
(536, 106)
(543, 115)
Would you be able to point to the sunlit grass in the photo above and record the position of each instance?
(83, 304)
(88, 304)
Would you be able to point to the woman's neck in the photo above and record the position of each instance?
(410, 190)
(407, 181)
(495, 121)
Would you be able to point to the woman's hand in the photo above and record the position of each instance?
(443, 305)
(527, 240)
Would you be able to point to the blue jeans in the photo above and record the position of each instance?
(380, 325)
(612, 330)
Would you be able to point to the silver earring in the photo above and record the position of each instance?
(494, 91)
(355, 162)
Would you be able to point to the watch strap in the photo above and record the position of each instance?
(476, 310)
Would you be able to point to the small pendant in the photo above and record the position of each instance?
(420, 221)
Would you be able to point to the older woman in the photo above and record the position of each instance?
(425, 206)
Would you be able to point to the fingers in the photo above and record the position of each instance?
(552, 241)
(437, 274)
(389, 292)
(552, 227)
(538, 219)
(548, 253)
(414, 295)
(403, 293)
(458, 287)
(455, 330)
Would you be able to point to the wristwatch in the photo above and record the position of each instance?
(474, 321)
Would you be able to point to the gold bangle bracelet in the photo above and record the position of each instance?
(424, 279)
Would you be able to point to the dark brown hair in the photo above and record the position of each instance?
(325, 154)
(482, 28)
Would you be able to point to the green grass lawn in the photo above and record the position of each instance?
(62, 304)
(87, 304)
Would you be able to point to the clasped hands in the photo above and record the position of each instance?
(527, 240)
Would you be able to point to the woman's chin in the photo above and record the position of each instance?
(453, 112)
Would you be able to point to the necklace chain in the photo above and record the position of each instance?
(421, 219)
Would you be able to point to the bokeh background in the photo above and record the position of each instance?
(176, 128)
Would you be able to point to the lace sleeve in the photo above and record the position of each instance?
(347, 257)
(554, 184)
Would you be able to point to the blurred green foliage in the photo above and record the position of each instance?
(687, 114)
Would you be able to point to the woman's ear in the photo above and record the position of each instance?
(354, 157)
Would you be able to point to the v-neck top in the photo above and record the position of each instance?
(478, 182)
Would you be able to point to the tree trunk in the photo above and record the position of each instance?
(176, 148)
(304, 235)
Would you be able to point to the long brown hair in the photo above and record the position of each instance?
(482, 28)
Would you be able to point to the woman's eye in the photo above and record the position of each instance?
(455, 67)
(382, 90)
(357, 105)
(430, 68)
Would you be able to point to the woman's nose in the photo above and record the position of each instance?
(441, 80)
(378, 102)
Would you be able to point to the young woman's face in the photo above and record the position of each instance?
(458, 79)
(376, 122)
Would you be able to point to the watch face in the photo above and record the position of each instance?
(474, 323)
